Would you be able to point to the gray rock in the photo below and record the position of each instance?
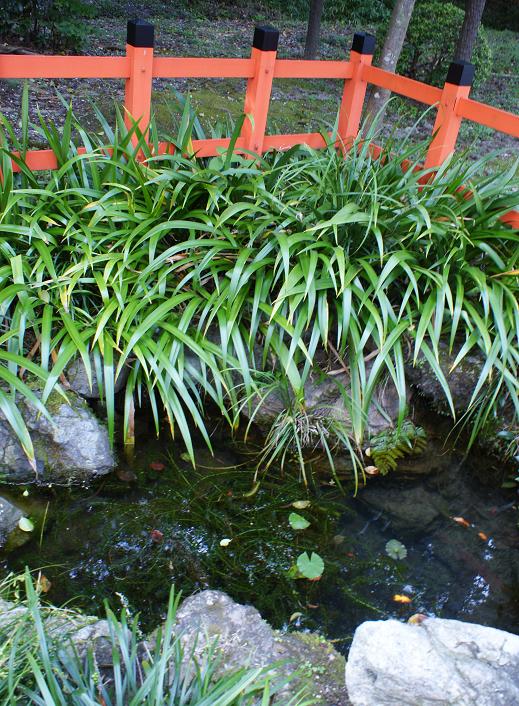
(435, 663)
(246, 640)
(66, 628)
(9, 518)
(324, 397)
(78, 379)
(462, 380)
(73, 449)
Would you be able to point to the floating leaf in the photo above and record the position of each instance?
(400, 598)
(301, 504)
(295, 616)
(311, 567)
(225, 542)
(156, 536)
(371, 470)
(395, 549)
(43, 585)
(298, 522)
(25, 524)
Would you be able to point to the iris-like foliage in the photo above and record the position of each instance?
(190, 275)
(40, 664)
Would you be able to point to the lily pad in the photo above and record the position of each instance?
(395, 549)
(311, 567)
(298, 522)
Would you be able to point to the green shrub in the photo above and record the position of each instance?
(46, 24)
(431, 42)
(197, 275)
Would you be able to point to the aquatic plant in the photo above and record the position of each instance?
(43, 666)
(187, 277)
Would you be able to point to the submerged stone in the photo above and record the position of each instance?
(10, 515)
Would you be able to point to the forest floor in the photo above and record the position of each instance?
(296, 105)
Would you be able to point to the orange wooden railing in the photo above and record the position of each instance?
(139, 67)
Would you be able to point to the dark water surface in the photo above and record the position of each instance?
(127, 542)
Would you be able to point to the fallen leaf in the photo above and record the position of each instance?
(157, 466)
(416, 619)
(156, 536)
(400, 598)
(313, 606)
(25, 524)
(483, 536)
(294, 616)
(43, 585)
(371, 470)
(461, 521)
(301, 504)
(225, 542)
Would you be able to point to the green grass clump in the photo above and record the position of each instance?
(39, 664)
(194, 275)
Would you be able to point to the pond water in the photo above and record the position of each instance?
(127, 539)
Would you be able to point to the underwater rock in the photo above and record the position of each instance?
(434, 663)
(78, 380)
(407, 507)
(73, 449)
(9, 518)
(246, 640)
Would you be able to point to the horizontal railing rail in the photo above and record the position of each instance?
(139, 67)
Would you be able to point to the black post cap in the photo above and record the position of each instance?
(265, 38)
(140, 33)
(461, 73)
(363, 43)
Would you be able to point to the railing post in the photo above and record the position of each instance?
(137, 97)
(259, 87)
(350, 112)
(447, 124)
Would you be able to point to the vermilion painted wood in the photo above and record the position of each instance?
(41, 66)
(446, 126)
(402, 85)
(284, 142)
(204, 148)
(137, 94)
(257, 99)
(350, 111)
(497, 119)
(173, 67)
(299, 68)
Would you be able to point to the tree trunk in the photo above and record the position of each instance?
(313, 32)
(469, 29)
(393, 44)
